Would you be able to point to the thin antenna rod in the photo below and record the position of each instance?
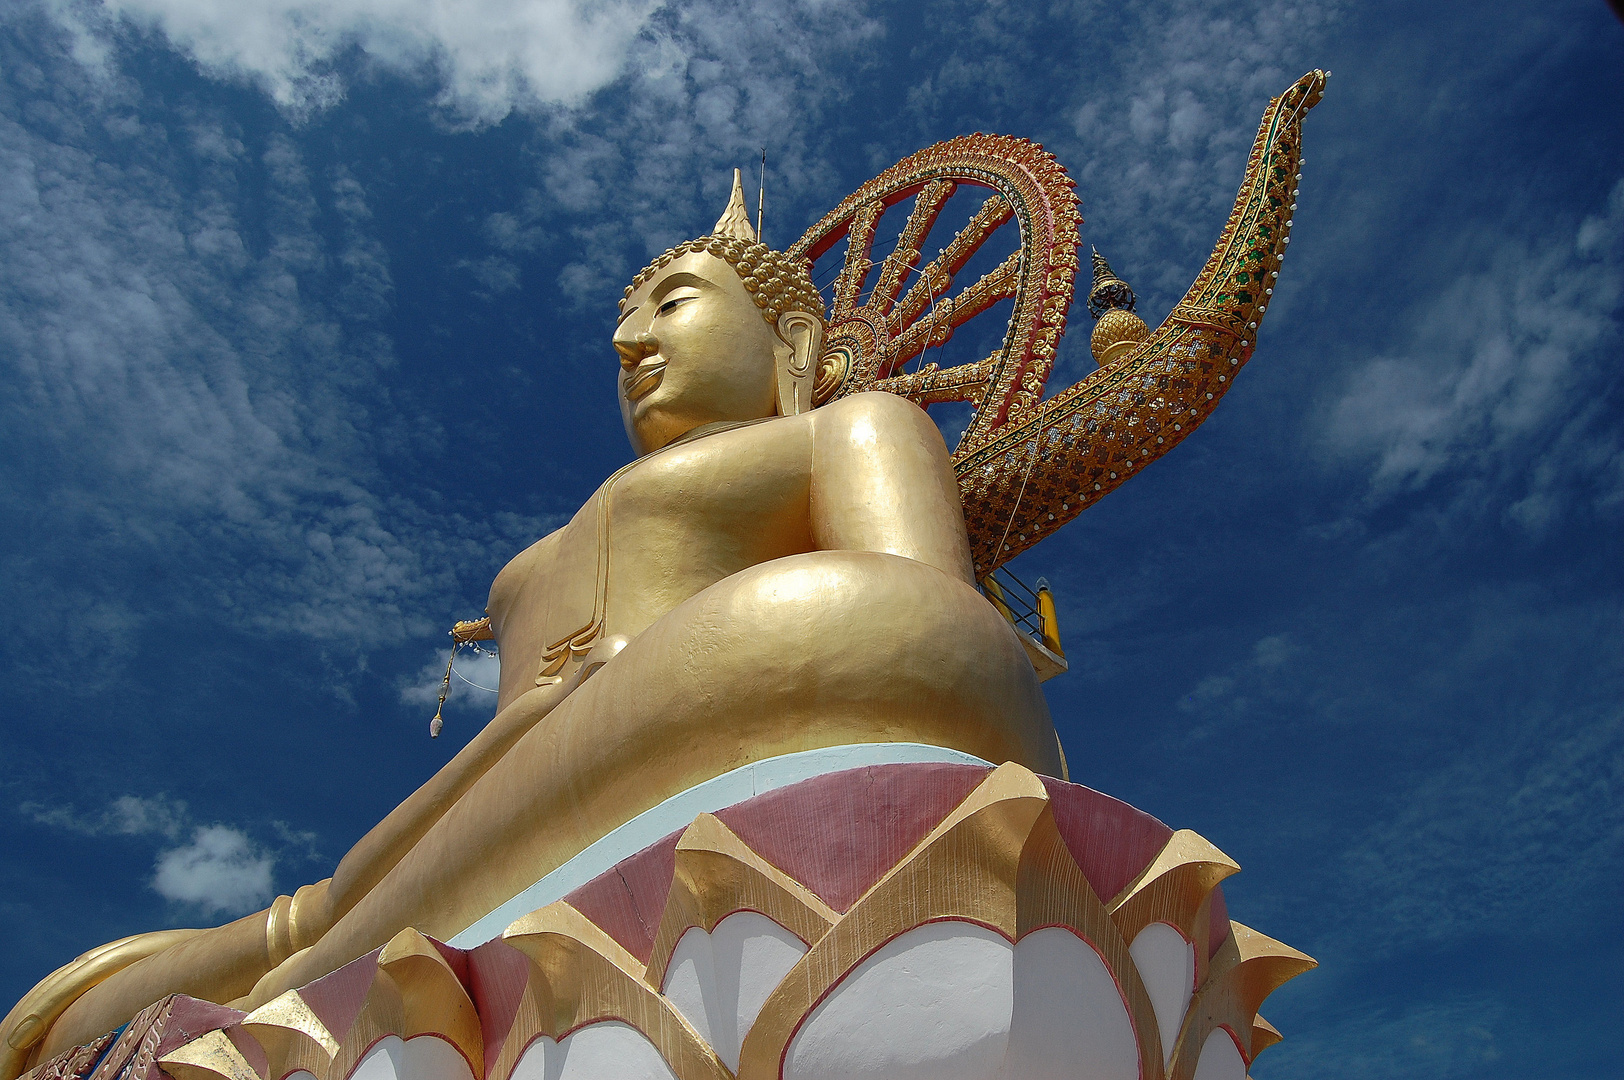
(761, 196)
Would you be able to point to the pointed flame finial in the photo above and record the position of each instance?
(735, 220)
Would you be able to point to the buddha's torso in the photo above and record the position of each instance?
(656, 533)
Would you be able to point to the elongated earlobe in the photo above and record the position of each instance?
(802, 337)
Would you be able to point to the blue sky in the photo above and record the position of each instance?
(304, 319)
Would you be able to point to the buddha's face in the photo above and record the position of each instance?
(695, 350)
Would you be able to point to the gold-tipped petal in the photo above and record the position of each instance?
(292, 1034)
(1185, 849)
(1053, 891)
(210, 1056)
(1246, 969)
(716, 874)
(581, 975)
(382, 1013)
(433, 998)
(1264, 964)
(966, 868)
(1174, 888)
(534, 934)
(1264, 1035)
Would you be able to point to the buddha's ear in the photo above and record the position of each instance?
(802, 335)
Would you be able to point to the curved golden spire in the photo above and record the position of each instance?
(1045, 467)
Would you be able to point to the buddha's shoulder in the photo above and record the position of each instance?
(865, 416)
(871, 411)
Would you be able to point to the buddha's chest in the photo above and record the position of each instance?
(682, 520)
(653, 535)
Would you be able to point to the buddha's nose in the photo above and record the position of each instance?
(632, 350)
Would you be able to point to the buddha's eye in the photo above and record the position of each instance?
(672, 304)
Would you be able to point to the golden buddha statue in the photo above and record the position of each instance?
(789, 564)
(764, 578)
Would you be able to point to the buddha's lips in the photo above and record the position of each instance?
(645, 377)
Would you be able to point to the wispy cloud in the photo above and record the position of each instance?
(1502, 387)
(707, 86)
(486, 58)
(1160, 145)
(1265, 678)
(1469, 763)
(1499, 835)
(192, 382)
(301, 840)
(128, 815)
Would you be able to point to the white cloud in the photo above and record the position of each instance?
(488, 56)
(221, 870)
(1498, 382)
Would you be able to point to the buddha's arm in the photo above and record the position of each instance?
(881, 481)
(376, 853)
(380, 849)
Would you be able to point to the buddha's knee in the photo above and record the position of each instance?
(870, 645)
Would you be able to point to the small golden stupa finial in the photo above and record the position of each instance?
(1109, 291)
(735, 220)
(1111, 301)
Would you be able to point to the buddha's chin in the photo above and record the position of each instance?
(660, 416)
(652, 427)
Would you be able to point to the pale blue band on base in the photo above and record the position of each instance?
(679, 810)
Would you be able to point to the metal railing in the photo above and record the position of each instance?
(1030, 610)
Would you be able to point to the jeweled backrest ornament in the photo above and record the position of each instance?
(1027, 465)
